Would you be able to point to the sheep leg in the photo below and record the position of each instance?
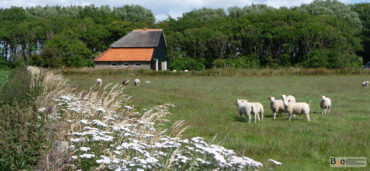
(308, 117)
(241, 116)
(290, 117)
(259, 119)
(275, 115)
(293, 116)
(261, 116)
(322, 111)
(255, 117)
(249, 117)
(329, 110)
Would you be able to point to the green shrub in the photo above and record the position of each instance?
(219, 63)
(21, 125)
(188, 63)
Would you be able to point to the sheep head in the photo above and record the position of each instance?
(272, 99)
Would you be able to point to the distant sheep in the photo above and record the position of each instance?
(365, 83)
(257, 109)
(186, 70)
(136, 82)
(289, 97)
(325, 104)
(297, 108)
(174, 70)
(147, 81)
(277, 106)
(99, 82)
(125, 83)
(244, 108)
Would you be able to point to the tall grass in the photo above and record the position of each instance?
(20, 122)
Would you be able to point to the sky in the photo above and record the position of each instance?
(164, 8)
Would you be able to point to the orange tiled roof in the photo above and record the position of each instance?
(126, 54)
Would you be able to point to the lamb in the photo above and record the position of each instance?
(257, 109)
(297, 108)
(325, 104)
(125, 83)
(277, 106)
(365, 83)
(137, 82)
(289, 97)
(99, 82)
(244, 108)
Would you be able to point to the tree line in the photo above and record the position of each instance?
(320, 34)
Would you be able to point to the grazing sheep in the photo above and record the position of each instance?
(289, 97)
(297, 108)
(186, 70)
(365, 83)
(99, 82)
(147, 81)
(125, 83)
(325, 104)
(244, 108)
(137, 82)
(277, 106)
(174, 70)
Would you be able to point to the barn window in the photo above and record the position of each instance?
(125, 65)
(137, 65)
(113, 65)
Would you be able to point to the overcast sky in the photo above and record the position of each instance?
(163, 8)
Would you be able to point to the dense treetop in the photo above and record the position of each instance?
(321, 34)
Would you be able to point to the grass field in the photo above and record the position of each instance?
(4, 75)
(207, 106)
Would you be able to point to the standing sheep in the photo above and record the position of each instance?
(137, 82)
(99, 82)
(289, 97)
(244, 108)
(325, 104)
(257, 109)
(277, 106)
(365, 83)
(297, 108)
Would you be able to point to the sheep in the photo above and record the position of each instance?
(289, 97)
(137, 82)
(277, 106)
(297, 108)
(125, 83)
(325, 104)
(365, 83)
(186, 70)
(257, 109)
(244, 108)
(174, 70)
(147, 81)
(99, 82)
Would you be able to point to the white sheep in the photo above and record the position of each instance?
(277, 106)
(244, 108)
(174, 70)
(147, 81)
(365, 83)
(289, 97)
(325, 104)
(257, 109)
(99, 82)
(297, 108)
(137, 82)
(186, 70)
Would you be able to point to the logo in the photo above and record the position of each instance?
(348, 161)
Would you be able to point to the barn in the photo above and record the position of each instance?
(139, 49)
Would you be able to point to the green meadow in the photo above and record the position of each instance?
(206, 103)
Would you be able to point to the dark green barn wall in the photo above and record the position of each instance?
(160, 53)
